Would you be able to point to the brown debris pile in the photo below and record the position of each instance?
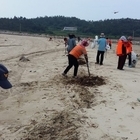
(87, 81)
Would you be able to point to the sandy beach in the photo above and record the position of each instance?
(44, 105)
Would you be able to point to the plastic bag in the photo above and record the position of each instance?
(133, 59)
(107, 47)
(93, 44)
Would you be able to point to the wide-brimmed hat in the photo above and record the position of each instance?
(102, 35)
(4, 83)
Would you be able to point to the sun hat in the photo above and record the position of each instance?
(123, 38)
(85, 43)
(102, 35)
(4, 83)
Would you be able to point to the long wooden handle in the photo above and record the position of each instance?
(88, 69)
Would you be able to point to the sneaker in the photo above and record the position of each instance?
(74, 77)
(130, 66)
(64, 74)
(96, 63)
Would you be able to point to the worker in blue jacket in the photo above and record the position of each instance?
(101, 49)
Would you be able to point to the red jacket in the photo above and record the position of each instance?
(129, 47)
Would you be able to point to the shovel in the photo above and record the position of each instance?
(88, 69)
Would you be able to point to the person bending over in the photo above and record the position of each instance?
(73, 56)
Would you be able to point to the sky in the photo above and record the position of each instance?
(89, 10)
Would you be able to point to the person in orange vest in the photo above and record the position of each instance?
(129, 50)
(73, 56)
(121, 52)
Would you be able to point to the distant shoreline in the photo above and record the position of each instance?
(29, 34)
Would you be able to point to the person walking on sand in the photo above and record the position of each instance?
(129, 50)
(101, 49)
(121, 52)
(74, 54)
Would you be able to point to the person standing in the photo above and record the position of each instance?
(66, 43)
(71, 42)
(73, 55)
(109, 42)
(129, 50)
(79, 39)
(121, 52)
(101, 49)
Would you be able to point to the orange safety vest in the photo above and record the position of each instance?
(119, 48)
(129, 47)
(78, 50)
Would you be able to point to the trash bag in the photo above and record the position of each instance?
(93, 44)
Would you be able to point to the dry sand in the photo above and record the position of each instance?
(43, 105)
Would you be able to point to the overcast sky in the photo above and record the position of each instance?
(83, 9)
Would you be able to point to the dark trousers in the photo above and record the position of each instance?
(129, 59)
(72, 62)
(99, 59)
(110, 46)
(121, 61)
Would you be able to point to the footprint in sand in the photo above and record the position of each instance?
(123, 128)
(22, 112)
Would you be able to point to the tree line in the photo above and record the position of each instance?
(54, 26)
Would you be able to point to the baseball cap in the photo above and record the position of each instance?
(4, 83)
